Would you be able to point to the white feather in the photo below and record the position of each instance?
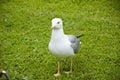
(59, 44)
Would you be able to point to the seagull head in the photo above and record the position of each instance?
(56, 23)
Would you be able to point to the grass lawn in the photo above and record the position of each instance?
(25, 33)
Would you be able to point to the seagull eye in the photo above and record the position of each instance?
(58, 22)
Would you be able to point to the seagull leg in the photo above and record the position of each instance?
(67, 72)
(58, 72)
(71, 66)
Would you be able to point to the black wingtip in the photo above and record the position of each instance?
(80, 36)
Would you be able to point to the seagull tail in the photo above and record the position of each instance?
(80, 36)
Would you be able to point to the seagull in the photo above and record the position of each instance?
(62, 45)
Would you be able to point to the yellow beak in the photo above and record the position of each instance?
(52, 27)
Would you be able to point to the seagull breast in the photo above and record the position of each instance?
(60, 46)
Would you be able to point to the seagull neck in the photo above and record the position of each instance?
(57, 32)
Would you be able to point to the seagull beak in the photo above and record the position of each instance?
(52, 27)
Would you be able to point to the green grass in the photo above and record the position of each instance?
(25, 34)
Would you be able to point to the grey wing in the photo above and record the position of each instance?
(75, 42)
